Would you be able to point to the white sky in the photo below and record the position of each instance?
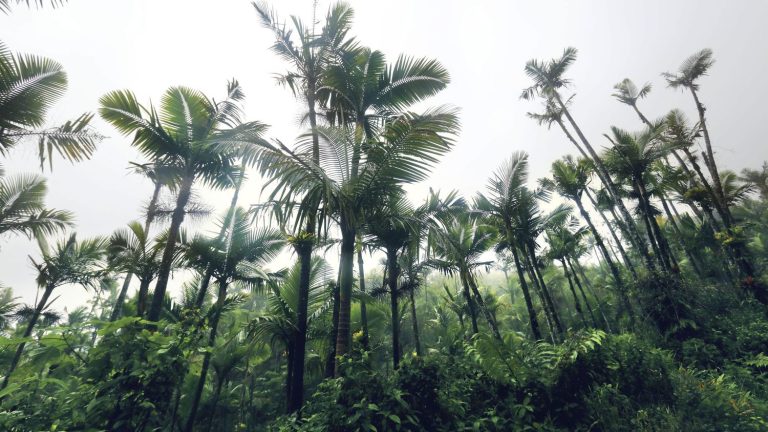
(147, 46)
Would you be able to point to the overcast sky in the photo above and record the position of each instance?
(149, 45)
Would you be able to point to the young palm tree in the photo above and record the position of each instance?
(70, 262)
(500, 204)
(548, 81)
(160, 177)
(238, 258)
(133, 252)
(277, 324)
(30, 86)
(22, 208)
(562, 243)
(195, 136)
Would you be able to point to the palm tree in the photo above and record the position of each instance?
(504, 190)
(160, 177)
(70, 262)
(5, 5)
(548, 81)
(687, 77)
(758, 178)
(238, 258)
(196, 136)
(30, 86)
(458, 247)
(309, 60)
(631, 158)
(404, 152)
(133, 252)
(277, 324)
(628, 94)
(23, 211)
(569, 179)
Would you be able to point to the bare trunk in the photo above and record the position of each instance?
(393, 271)
(526, 295)
(164, 272)
(343, 338)
(27, 333)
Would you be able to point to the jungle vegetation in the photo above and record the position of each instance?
(625, 291)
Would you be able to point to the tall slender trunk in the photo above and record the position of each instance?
(415, 324)
(27, 333)
(553, 334)
(151, 209)
(393, 272)
(216, 395)
(654, 230)
(296, 384)
(709, 160)
(620, 287)
(330, 364)
(602, 173)
(591, 290)
(164, 272)
(363, 307)
(470, 302)
(581, 291)
(691, 258)
(346, 266)
(535, 331)
(544, 290)
(196, 396)
(577, 279)
(576, 302)
(488, 316)
(616, 239)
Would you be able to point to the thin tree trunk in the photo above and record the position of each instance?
(343, 338)
(691, 258)
(602, 173)
(491, 320)
(27, 333)
(393, 270)
(164, 272)
(415, 324)
(591, 290)
(151, 209)
(363, 307)
(620, 287)
(526, 295)
(470, 302)
(330, 364)
(616, 239)
(576, 302)
(197, 395)
(535, 281)
(546, 299)
(216, 395)
(296, 385)
(581, 291)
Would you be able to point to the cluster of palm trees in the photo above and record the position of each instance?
(342, 185)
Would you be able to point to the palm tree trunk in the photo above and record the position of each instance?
(691, 258)
(296, 385)
(709, 160)
(415, 323)
(164, 272)
(591, 290)
(602, 173)
(526, 295)
(666, 253)
(27, 333)
(581, 291)
(616, 239)
(576, 302)
(222, 295)
(537, 287)
(620, 287)
(393, 271)
(470, 302)
(363, 308)
(216, 395)
(545, 291)
(330, 363)
(151, 208)
(491, 320)
(346, 267)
